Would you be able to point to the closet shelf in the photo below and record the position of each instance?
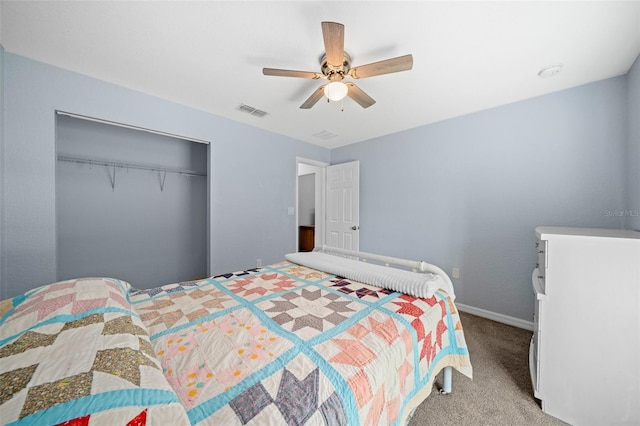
(93, 162)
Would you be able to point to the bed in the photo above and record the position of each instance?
(315, 339)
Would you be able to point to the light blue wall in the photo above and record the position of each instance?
(468, 192)
(253, 171)
(633, 157)
(307, 199)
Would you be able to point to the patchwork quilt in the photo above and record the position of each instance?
(287, 344)
(75, 353)
(284, 344)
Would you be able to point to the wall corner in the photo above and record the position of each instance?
(3, 290)
(632, 212)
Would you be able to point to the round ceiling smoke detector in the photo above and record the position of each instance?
(551, 71)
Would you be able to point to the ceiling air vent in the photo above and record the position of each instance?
(325, 134)
(251, 110)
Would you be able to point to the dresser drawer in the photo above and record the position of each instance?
(533, 367)
(538, 324)
(541, 264)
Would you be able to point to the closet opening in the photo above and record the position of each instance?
(131, 203)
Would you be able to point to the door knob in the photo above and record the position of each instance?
(355, 228)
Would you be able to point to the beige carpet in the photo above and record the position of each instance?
(500, 392)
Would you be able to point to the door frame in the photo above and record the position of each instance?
(320, 203)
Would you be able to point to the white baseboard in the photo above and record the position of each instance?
(505, 319)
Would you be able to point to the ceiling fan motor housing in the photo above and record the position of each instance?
(333, 72)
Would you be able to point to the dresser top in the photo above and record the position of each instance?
(542, 231)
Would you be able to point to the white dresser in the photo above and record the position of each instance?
(585, 351)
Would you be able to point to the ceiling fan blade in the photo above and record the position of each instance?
(314, 98)
(291, 73)
(388, 66)
(333, 34)
(358, 95)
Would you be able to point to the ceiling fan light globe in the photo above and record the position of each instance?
(336, 90)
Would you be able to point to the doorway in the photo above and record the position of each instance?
(310, 204)
(331, 215)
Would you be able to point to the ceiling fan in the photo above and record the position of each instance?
(335, 66)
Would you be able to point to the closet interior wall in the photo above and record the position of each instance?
(142, 217)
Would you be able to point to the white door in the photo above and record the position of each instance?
(343, 206)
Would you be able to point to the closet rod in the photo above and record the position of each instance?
(129, 166)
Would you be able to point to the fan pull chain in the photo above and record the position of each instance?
(342, 107)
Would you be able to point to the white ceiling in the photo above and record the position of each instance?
(468, 56)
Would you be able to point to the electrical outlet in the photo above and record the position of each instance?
(456, 273)
(258, 263)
